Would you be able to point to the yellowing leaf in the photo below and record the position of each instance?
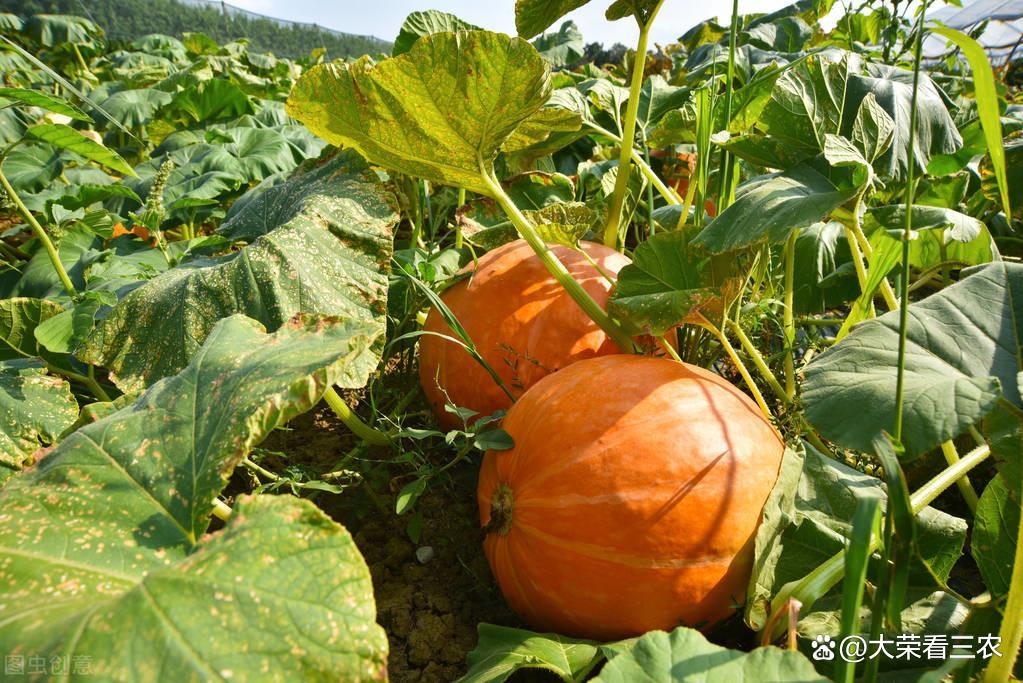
(441, 111)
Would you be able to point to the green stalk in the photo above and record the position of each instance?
(739, 365)
(221, 510)
(458, 227)
(948, 449)
(40, 234)
(554, 266)
(759, 362)
(827, 574)
(725, 167)
(614, 216)
(907, 229)
(1011, 632)
(787, 315)
(372, 436)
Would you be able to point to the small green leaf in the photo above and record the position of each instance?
(668, 283)
(441, 111)
(563, 47)
(36, 98)
(533, 17)
(501, 651)
(66, 137)
(873, 129)
(409, 494)
(685, 654)
(494, 440)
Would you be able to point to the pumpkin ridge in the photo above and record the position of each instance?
(624, 559)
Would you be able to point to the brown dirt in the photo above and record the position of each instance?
(429, 610)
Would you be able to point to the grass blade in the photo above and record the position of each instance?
(987, 104)
(866, 527)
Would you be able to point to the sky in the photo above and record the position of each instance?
(382, 18)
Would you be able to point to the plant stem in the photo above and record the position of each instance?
(614, 216)
(221, 510)
(725, 166)
(788, 317)
(1011, 632)
(739, 365)
(667, 193)
(40, 234)
(362, 430)
(861, 242)
(555, 267)
(94, 386)
(759, 362)
(458, 226)
(907, 229)
(948, 449)
(826, 575)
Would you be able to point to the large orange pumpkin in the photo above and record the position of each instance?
(631, 499)
(523, 323)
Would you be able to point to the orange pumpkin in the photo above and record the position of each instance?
(631, 499)
(523, 323)
(139, 231)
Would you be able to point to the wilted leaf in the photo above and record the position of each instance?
(330, 255)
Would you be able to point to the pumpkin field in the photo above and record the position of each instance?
(487, 359)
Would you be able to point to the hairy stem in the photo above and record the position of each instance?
(362, 430)
(788, 316)
(739, 365)
(614, 216)
(948, 449)
(40, 234)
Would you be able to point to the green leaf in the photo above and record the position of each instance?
(35, 98)
(656, 99)
(988, 108)
(769, 207)
(994, 534)
(419, 24)
(440, 111)
(32, 168)
(808, 519)
(330, 255)
(686, 655)
(808, 101)
(1014, 173)
(893, 89)
(19, 318)
(956, 227)
(210, 100)
(51, 30)
(562, 47)
(962, 356)
(66, 331)
(135, 108)
(873, 129)
(840, 151)
(545, 123)
(35, 409)
(667, 283)
(501, 651)
(66, 137)
(106, 556)
(786, 34)
(533, 17)
(78, 250)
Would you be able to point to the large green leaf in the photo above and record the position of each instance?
(419, 24)
(893, 89)
(50, 30)
(103, 542)
(808, 519)
(808, 101)
(562, 47)
(668, 282)
(441, 111)
(34, 409)
(962, 357)
(686, 655)
(316, 262)
(135, 108)
(36, 98)
(772, 206)
(501, 651)
(66, 137)
(77, 250)
(533, 17)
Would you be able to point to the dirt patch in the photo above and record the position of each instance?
(429, 605)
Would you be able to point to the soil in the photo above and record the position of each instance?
(430, 610)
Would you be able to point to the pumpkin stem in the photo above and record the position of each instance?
(501, 506)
